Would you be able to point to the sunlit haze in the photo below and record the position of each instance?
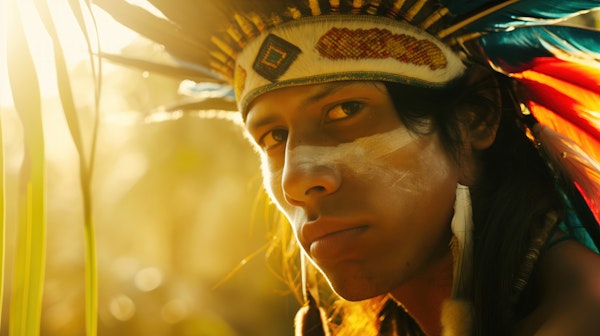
(113, 37)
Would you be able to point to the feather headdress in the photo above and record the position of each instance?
(258, 46)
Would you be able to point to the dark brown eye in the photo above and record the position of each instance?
(344, 110)
(273, 138)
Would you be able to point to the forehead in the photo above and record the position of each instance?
(304, 95)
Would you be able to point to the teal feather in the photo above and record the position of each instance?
(514, 49)
(526, 13)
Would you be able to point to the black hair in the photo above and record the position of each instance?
(513, 192)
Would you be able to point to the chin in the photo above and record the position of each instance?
(354, 289)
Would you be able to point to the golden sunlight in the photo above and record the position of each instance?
(72, 40)
(176, 197)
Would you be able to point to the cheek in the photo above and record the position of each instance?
(427, 193)
(427, 164)
(409, 172)
(414, 191)
(435, 167)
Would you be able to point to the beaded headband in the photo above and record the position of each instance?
(332, 48)
(260, 55)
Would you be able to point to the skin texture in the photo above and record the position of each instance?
(370, 202)
(570, 294)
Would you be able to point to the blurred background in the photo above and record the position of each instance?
(181, 224)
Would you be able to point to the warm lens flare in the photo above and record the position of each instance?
(113, 37)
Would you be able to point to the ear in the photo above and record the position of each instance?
(482, 135)
(482, 107)
(478, 137)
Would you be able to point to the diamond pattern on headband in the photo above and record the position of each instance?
(344, 43)
(275, 57)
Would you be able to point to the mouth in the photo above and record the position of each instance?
(330, 239)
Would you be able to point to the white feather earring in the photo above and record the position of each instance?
(457, 311)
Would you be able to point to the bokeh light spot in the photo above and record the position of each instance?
(122, 307)
(148, 279)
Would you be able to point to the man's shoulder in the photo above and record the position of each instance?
(569, 276)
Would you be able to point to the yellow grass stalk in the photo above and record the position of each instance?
(85, 164)
(2, 219)
(28, 277)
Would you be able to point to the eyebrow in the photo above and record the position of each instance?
(256, 124)
(323, 91)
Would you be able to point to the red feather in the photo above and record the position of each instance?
(575, 165)
(570, 90)
(565, 99)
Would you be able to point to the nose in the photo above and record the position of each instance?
(309, 173)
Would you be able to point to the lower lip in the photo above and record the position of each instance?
(338, 245)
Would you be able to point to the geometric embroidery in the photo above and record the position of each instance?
(344, 43)
(275, 57)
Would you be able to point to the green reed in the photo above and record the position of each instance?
(28, 277)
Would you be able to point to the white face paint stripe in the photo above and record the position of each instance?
(353, 153)
(360, 156)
